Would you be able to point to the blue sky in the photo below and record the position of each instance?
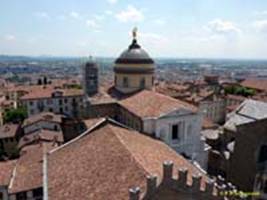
(166, 28)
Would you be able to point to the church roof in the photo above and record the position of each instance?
(146, 104)
(106, 161)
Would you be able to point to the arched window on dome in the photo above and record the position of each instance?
(142, 83)
(125, 82)
(115, 80)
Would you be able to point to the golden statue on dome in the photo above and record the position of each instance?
(134, 32)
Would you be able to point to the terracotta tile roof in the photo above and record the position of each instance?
(6, 169)
(41, 135)
(91, 122)
(47, 93)
(8, 130)
(152, 104)
(28, 171)
(255, 84)
(106, 162)
(44, 116)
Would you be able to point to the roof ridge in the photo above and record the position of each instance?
(128, 150)
(78, 137)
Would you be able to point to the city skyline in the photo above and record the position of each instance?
(191, 29)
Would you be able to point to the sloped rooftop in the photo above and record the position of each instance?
(105, 162)
(249, 111)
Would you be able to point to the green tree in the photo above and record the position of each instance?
(15, 115)
(239, 90)
(75, 86)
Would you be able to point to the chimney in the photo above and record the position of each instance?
(151, 182)
(167, 171)
(196, 181)
(182, 177)
(134, 193)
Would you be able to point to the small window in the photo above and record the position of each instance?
(51, 110)
(31, 103)
(125, 82)
(65, 100)
(61, 110)
(38, 192)
(142, 83)
(175, 132)
(263, 154)
(265, 187)
(60, 101)
(49, 101)
(21, 196)
(115, 80)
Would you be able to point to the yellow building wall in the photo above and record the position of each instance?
(134, 81)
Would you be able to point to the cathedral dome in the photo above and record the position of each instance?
(134, 55)
(134, 69)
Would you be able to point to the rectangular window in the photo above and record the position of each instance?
(60, 101)
(21, 196)
(38, 192)
(125, 82)
(49, 101)
(263, 154)
(265, 187)
(175, 132)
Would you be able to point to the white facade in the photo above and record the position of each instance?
(187, 140)
(70, 106)
(54, 126)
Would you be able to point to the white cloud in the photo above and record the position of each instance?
(75, 15)
(159, 21)
(92, 24)
(153, 39)
(112, 1)
(99, 17)
(260, 13)
(10, 37)
(43, 15)
(130, 14)
(108, 12)
(261, 25)
(219, 26)
(61, 17)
